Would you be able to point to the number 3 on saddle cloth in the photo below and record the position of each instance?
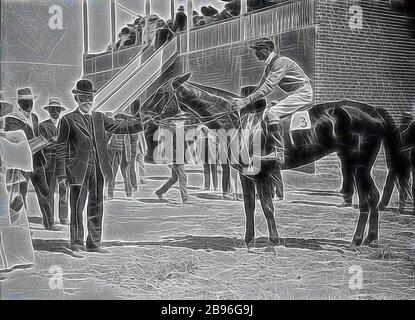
(300, 120)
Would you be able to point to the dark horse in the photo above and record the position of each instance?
(353, 130)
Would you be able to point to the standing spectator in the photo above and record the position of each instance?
(178, 173)
(127, 37)
(120, 153)
(137, 27)
(16, 243)
(49, 130)
(141, 152)
(180, 20)
(24, 119)
(208, 157)
(81, 148)
(163, 34)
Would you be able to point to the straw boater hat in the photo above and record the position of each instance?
(84, 86)
(54, 103)
(25, 94)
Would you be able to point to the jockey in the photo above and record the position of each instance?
(281, 73)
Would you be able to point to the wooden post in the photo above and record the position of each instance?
(147, 10)
(189, 14)
(172, 9)
(85, 25)
(189, 26)
(113, 24)
(244, 10)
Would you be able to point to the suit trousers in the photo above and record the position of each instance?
(63, 196)
(208, 171)
(93, 188)
(39, 182)
(119, 160)
(177, 174)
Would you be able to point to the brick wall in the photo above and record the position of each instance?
(375, 64)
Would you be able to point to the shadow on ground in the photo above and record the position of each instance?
(215, 243)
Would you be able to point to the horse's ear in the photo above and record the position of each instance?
(181, 80)
(246, 91)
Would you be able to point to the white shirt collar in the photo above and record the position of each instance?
(269, 59)
(55, 122)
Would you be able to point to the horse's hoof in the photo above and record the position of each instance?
(270, 249)
(357, 241)
(371, 242)
(249, 242)
(276, 241)
(346, 204)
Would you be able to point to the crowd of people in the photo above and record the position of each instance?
(161, 31)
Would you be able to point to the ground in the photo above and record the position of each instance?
(173, 251)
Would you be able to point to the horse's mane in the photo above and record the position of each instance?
(224, 94)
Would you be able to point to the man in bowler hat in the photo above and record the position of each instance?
(180, 20)
(81, 154)
(49, 130)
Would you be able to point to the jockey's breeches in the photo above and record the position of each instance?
(290, 104)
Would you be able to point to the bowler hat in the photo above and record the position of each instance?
(181, 8)
(25, 94)
(263, 43)
(5, 108)
(54, 103)
(84, 86)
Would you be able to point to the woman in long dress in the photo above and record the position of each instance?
(16, 247)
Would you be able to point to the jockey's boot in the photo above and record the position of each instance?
(276, 144)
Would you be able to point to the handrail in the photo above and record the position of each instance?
(135, 78)
(274, 19)
(120, 77)
(138, 80)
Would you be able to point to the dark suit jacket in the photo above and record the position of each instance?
(75, 140)
(180, 22)
(48, 130)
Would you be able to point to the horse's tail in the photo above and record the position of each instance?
(398, 166)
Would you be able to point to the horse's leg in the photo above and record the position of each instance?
(266, 191)
(348, 181)
(248, 188)
(368, 206)
(387, 189)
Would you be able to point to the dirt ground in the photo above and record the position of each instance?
(172, 251)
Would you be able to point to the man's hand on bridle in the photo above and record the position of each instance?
(240, 103)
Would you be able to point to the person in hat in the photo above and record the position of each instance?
(180, 20)
(127, 37)
(49, 130)
(83, 163)
(24, 119)
(163, 34)
(15, 238)
(281, 73)
(138, 152)
(138, 28)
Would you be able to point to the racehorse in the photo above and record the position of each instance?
(353, 130)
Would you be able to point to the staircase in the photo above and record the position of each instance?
(135, 78)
